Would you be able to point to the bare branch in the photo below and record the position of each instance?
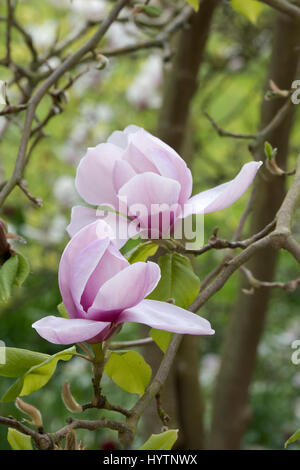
(284, 7)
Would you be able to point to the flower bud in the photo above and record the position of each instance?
(69, 400)
(31, 411)
(102, 61)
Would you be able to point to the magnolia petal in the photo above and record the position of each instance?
(166, 161)
(121, 228)
(110, 264)
(68, 331)
(126, 289)
(165, 316)
(80, 217)
(82, 269)
(85, 236)
(122, 173)
(148, 189)
(224, 195)
(94, 178)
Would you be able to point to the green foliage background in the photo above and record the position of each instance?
(233, 98)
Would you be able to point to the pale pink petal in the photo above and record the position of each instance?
(82, 268)
(120, 227)
(126, 289)
(122, 173)
(147, 189)
(110, 264)
(224, 195)
(86, 235)
(165, 316)
(94, 179)
(166, 161)
(138, 160)
(80, 217)
(68, 331)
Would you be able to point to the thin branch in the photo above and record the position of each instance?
(159, 41)
(130, 344)
(90, 425)
(36, 98)
(259, 136)
(284, 7)
(151, 391)
(36, 200)
(256, 284)
(42, 441)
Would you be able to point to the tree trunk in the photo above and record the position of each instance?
(181, 395)
(231, 411)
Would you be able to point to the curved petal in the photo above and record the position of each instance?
(110, 264)
(67, 331)
(86, 235)
(120, 138)
(149, 188)
(224, 195)
(122, 173)
(94, 178)
(128, 288)
(80, 217)
(153, 200)
(82, 269)
(165, 316)
(121, 227)
(166, 161)
(138, 160)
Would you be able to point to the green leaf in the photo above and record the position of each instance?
(129, 371)
(163, 441)
(178, 280)
(18, 440)
(293, 438)
(23, 270)
(8, 274)
(251, 9)
(194, 4)
(143, 252)
(130, 246)
(162, 338)
(62, 310)
(148, 10)
(19, 361)
(270, 152)
(37, 376)
(13, 272)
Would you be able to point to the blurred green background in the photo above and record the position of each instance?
(99, 103)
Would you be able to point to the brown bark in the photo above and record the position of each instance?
(231, 411)
(181, 83)
(182, 395)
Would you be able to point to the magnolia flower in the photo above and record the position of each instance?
(101, 290)
(136, 173)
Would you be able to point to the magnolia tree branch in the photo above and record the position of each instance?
(51, 80)
(284, 7)
(257, 284)
(276, 234)
(259, 136)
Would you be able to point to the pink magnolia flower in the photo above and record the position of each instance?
(101, 290)
(138, 168)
